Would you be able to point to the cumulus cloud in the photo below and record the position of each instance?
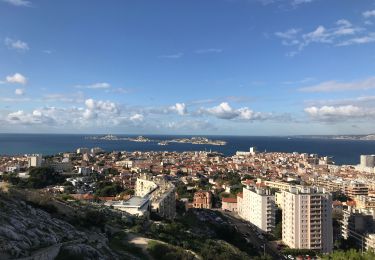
(94, 113)
(137, 118)
(16, 44)
(179, 108)
(337, 113)
(225, 111)
(99, 108)
(18, 2)
(36, 117)
(329, 86)
(16, 78)
(19, 91)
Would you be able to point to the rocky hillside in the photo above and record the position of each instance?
(31, 233)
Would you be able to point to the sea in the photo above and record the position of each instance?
(342, 151)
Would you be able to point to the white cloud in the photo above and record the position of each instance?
(16, 44)
(211, 50)
(66, 97)
(343, 33)
(18, 2)
(172, 56)
(225, 111)
(320, 34)
(137, 118)
(293, 3)
(188, 125)
(99, 108)
(298, 2)
(19, 91)
(359, 40)
(369, 13)
(302, 81)
(118, 90)
(99, 85)
(24, 118)
(338, 113)
(329, 86)
(179, 108)
(289, 34)
(16, 78)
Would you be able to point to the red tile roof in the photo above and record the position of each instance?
(229, 200)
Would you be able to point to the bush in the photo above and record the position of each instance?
(107, 189)
(219, 250)
(167, 252)
(351, 254)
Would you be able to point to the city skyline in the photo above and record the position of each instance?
(226, 67)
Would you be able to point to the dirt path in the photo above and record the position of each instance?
(140, 242)
(4, 187)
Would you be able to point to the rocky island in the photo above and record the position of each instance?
(142, 139)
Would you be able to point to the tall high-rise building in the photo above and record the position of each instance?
(258, 207)
(368, 161)
(307, 219)
(34, 160)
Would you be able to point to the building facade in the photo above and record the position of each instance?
(229, 204)
(34, 160)
(202, 200)
(307, 219)
(161, 192)
(258, 207)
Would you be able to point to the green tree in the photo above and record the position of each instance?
(350, 255)
(107, 189)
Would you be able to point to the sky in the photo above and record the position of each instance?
(210, 67)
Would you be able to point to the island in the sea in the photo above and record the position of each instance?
(369, 137)
(142, 139)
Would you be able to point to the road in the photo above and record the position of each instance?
(261, 244)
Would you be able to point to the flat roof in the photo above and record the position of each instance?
(133, 202)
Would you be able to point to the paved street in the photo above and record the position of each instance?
(261, 244)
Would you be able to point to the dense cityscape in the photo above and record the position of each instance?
(258, 205)
(187, 130)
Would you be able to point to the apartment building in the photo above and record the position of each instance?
(307, 219)
(357, 223)
(229, 204)
(356, 189)
(161, 193)
(144, 185)
(202, 200)
(34, 160)
(258, 207)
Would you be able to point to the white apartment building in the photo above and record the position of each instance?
(144, 186)
(258, 207)
(136, 206)
(83, 150)
(161, 192)
(307, 219)
(34, 160)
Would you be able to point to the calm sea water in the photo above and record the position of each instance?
(343, 151)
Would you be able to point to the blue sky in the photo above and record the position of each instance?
(235, 67)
